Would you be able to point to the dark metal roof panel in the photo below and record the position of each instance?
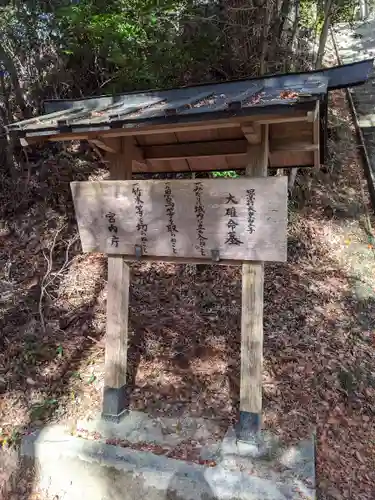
(271, 94)
(182, 105)
(284, 109)
(349, 75)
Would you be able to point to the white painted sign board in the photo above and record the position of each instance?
(244, 219)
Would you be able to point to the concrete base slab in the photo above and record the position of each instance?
(137, 427)
(71, 467)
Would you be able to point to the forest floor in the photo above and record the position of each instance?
(184, 346)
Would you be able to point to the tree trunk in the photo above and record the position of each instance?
(285, 8)
(278, 22)
(12, 70)
(264, 39)
(295, 30)
(324, 34)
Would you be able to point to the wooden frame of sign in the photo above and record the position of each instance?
(128, 219)
(229, 220)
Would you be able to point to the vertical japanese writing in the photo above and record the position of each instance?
(112, 228)
(231, 213)
(250, 200)
(170, 211)
(141, 226)
(199, 214)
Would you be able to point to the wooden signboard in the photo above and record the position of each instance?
(241, 219)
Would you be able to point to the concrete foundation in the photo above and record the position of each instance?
(73, 467)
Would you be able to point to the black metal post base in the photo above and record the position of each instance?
(248, 426)
(115, 403)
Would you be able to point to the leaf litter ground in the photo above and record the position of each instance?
(184, 346)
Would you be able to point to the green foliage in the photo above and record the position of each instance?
(308, 13)
(312, 13)
(131, 44)
(91, 379)
(75, 48)
(225, 174)
(344, 11)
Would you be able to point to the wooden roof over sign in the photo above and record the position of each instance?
(174, 129)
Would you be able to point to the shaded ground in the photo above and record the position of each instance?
(184, 353)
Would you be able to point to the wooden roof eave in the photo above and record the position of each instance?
(35, 136)
(215, 141)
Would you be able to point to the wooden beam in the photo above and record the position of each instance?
(145, 129)
(102, 145)
(29, 141)
(252, 133)
(195, 149)
(313, 115)
(115, 396)
(316, 139)
(64, 137)
(284, 145)
(252, 317)
(181, 260)
(129, 145)
(286, 119)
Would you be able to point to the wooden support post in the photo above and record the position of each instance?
(316, 138)
(115, 394)
(252, 317)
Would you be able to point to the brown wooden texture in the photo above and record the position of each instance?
(291, 159)
(245, 219)
(280, 146)
(316, 139)
(217, 143)
(291, 132)
(117, 322)
(179, 165)
(208, 135)
(195, 149)
(118, 285)
(147, 129)
(252, 303)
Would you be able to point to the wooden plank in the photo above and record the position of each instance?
(114, 395)
(252, 133)
(210, 163)
(283, 145)
(103, 145)
(147, 129)
(231, 133)
(181, 260)
(314, 115)
(285, 159)
(162, 165)
(295, 131)
(316, 139)
(117, 322)
(214, 163)
(195, 150)
(277, 159)
(243, 219)
(210, 134)
(252, 314)
(287, 119)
